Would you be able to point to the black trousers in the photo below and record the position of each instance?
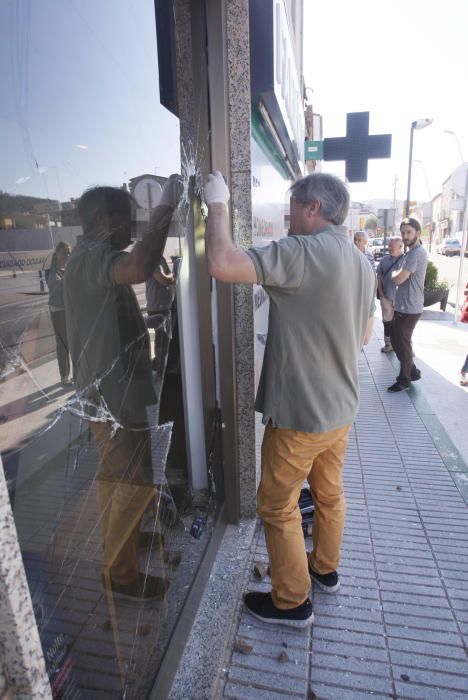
(162, 323)
(401, 332)
(60, 330)
(465, 366)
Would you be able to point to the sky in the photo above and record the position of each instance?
(79, 97)
(401, 61)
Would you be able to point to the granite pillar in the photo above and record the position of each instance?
(22, 662)
(239, 105)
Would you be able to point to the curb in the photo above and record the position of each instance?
(449, 454)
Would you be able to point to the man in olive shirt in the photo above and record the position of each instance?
(321, 293)
(409, 303)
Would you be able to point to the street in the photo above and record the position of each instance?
(448, 271)
(25, 318)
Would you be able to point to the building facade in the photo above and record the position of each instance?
(450, 223)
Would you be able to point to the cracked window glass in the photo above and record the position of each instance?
(93, 395)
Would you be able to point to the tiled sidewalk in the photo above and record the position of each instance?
(398, 628)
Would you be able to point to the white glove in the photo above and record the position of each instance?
(216, 189)
(172, 192)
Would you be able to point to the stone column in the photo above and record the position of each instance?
(22, 662)
(239, 106)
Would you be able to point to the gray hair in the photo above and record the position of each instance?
(328, 190)
(396, 239)
(361, 234)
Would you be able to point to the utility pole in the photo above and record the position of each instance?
(385, 223)
(394, 204)
(418, 124)
(410, 165)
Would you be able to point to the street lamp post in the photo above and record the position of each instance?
(418, 124)
(408, 189)
(425, 177)
(452, 133)
(416, 160)
(394, 204)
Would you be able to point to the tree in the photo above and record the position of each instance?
(19, 203)
(371, 224)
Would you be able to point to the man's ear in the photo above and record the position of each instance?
(313, 209)
(102, 223)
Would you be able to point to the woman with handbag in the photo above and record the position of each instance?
(57, 308)
(464, 319)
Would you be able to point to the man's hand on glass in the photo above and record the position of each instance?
(172, 192)
(216, 190)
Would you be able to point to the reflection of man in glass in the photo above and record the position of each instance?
(109, 346)
(160, 291)
(57, 311)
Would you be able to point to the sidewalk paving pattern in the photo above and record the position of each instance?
(398, 628)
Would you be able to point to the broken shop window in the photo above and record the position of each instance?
(93, 414)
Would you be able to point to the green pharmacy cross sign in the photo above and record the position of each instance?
(356, 148)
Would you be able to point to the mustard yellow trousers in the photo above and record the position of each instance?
(288, 458)
(124, 491)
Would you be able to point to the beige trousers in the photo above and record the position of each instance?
(388, 309)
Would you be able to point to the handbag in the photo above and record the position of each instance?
(464, 312)
(464, 308)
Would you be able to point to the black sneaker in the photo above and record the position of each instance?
(414, 376)
(261, 606)
(329, 583)
(142, 589)
(395, 388)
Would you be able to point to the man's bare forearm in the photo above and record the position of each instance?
(146, 254)
(400, 276)
(225, 262)
(151, 248)
(218, 240)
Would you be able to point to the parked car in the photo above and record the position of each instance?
(377, 248)
(459, 235)
(449, 247)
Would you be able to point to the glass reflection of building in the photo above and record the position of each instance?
(93, 509)
(82, 106)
